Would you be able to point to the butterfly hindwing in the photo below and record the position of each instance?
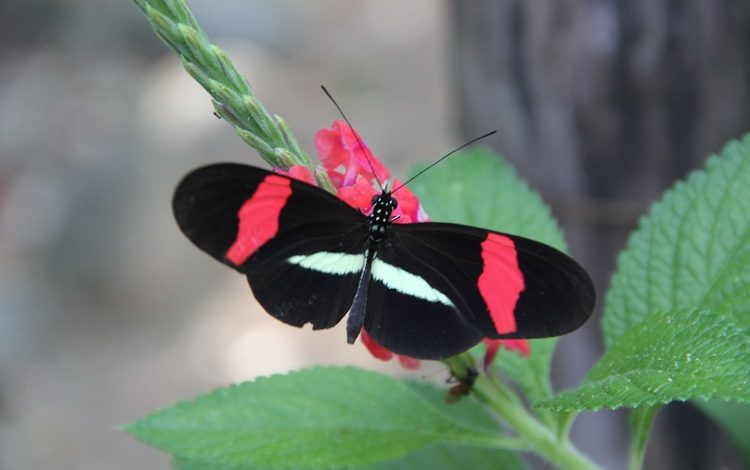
(413, 326)
(413, 308)
(287, 236)
(498, 285)
(310, 281)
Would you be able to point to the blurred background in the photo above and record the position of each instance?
(107, 312)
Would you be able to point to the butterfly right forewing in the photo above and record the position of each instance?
(450, 285)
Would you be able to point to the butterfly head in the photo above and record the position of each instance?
(383, 205)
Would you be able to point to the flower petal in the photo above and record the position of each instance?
(493, 345)
(378, 351)
(339, 146)
(408, 362)
(298, 172)
(331, 152)
(359, 195)
(409, 205)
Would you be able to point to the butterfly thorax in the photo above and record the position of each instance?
(380, 219)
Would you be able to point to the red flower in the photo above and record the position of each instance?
(379, 352)
(375, 348)
(358, 195)
(493, 345)
(409, 207)
(408, 362)
(340, 146)
(298, 172)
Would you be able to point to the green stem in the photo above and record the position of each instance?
(497, 442)
(233, 98)
(536, 435)
(640, 426)
(565, 421)
(540, 438)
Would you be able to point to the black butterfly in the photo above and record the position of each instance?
(426, 290)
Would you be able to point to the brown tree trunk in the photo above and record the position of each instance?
(601, 105)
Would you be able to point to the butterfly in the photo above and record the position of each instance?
(427, 290)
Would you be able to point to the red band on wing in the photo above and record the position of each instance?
(501, 281)
(259, 218)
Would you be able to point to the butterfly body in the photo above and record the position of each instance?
(379, 221)
(426, 290)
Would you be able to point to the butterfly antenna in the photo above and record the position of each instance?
(356, 135)
(443, 158)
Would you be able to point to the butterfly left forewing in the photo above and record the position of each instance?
(300, 247)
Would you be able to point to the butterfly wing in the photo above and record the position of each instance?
(300, 247)
(443, 287)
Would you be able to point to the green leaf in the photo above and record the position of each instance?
(706, 358)
(185, 464)
(477, 187)
(315, 418)
(530, 372)
(692, 250)
(435, 457)
(466, 412)
(449, 457)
